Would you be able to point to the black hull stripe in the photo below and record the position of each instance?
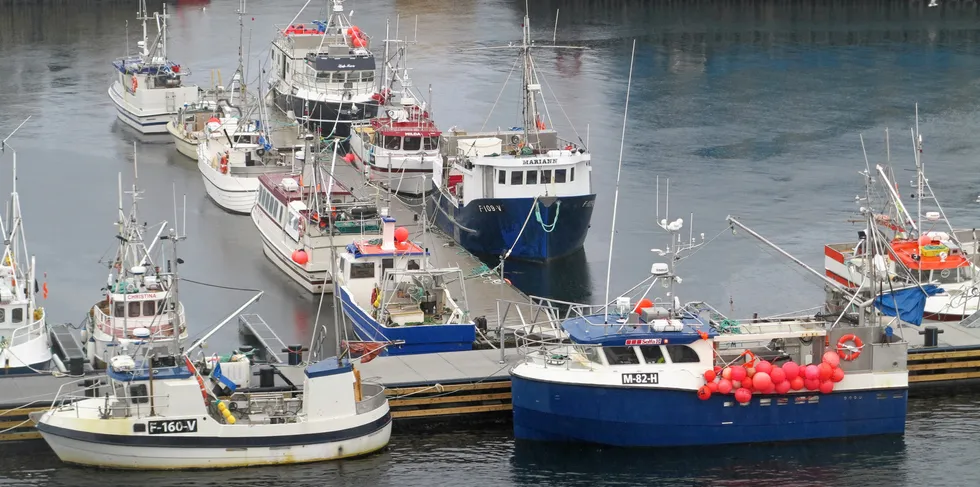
(162, 441)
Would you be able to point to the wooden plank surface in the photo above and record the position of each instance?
(452, 398)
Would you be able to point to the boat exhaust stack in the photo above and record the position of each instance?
(388, 233)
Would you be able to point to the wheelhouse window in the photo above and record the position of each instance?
(501, 176)
(17, 315)
(413, 265)
(361, 270)
(3, 315)
(590, 352)
(119, 310)
(431, 143)
(560, 175)
(413, 143)
(517, 177)
(652, 354)
(149, 308)
(546, 176)
(681, 354)
(571, 174)
(532, 177)
(621, 356)
(387, 264)
(393, 143)
(134, 309)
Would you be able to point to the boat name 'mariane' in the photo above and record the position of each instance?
(534, 162)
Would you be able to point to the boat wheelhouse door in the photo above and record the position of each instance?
(294, 219)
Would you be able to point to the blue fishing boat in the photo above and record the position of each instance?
(392, 297)
(523, 193)
(658, 373)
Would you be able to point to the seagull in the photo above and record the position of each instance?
(933, 3)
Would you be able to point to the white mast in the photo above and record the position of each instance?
(619, 172)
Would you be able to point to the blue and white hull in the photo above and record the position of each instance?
(491, 226)
(417, 339)
(658, 417)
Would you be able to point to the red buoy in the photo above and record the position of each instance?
(401, 234)
(349, 157)
(784, 386)
(300, 257)
(838, 375)
(743, 396)
(811, 372)
(826, 387)
(761, 381)
(724, 386)
(712, 386)
(704, 393)
(763, 366)
(831, 358)
(644, 303)
(739, 373)
(777, 375)
(726, 373)
(709, 376)
(797, 383)
(791, 369)
(825, 371)
(811, 384)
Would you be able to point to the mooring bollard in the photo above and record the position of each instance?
(932, 336)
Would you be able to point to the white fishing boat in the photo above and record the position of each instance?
(904, 245)
(148, 88)
(304, 226)
(188, 126)
(231, 156)
(25, 340)
(155, 418)
(140, 308)
(323, 73)
(398, 149)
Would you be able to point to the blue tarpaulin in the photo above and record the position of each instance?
(216, 374)
(910, 303)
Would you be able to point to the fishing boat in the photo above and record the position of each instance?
(140, 308)
(392, 296)
(397, 149)
(231, 156)
(524, 193)
(709, 379)
(304, 226)
(149, 88)
(154, 416)
(323, 73)
(897, 246)
(188, 126)
(25, 340)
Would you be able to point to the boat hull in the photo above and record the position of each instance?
(648, 417)
(232, 194)
(185, 146)
(315, 280)
(491, 226)
(144, 452)
(418, 339)
(323, 115)
(144, 121)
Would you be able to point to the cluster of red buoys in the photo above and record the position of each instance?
(765, 378)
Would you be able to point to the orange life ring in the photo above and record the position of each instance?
(135, 84)
(842, 345)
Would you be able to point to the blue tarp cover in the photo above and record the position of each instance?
(910, 303)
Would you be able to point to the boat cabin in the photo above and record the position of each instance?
(388, 276)
(15, 306)
(325, 58)
(510, 164)
(159, 73)
(652, 337)
(401, 130)
(283, 198)
(139, 306)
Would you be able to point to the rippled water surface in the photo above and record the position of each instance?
(751, 108)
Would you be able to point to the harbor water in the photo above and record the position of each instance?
(750, 108)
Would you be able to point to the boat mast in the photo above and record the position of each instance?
(619, 172)
(141, 15)
(17, 237)
(917, 144)
(240, 71)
